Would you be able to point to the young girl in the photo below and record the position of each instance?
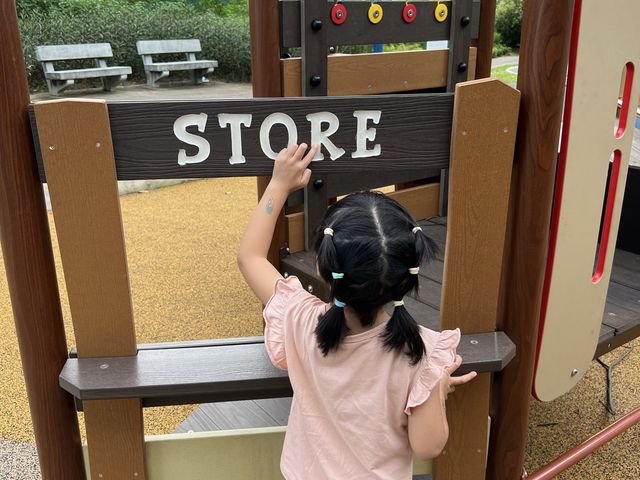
(369, 388)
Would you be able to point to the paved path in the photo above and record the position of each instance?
(508, 60)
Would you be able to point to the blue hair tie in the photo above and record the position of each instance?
(337, 276)
(338, 303)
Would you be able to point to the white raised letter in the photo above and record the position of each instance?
(320, 138)
(235, 120)
(265, 130)
(180, 131)
(363, 133)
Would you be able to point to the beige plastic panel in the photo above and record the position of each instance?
(609, 38)
(224, 455)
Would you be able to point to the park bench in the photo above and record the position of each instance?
(157, 70)
(60, 80)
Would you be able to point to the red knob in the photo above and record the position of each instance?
(409, 12)
(338, 14)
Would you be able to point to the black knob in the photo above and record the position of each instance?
(462, 67)
(318, 183)
(464, 21)
(315, 80)
(316, 24)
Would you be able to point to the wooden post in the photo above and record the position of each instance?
(31, 276)
(485, 38)
(482, 142)
(77, 151)
(264, 23)
(546, 29)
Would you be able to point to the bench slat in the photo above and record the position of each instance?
(186, 65)
(223, 373)
(50, 53)
(88, 73)
(158, 47)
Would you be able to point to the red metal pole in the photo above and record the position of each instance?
(587, 447)
(31, 275)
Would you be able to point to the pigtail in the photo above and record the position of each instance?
(332, 326)
(403, 334)
(426, 248)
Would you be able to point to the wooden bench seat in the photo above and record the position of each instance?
(60, 80)
(222, 370)
(155, 71)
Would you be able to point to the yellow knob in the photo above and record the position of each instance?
(375, 13)
(441, 12)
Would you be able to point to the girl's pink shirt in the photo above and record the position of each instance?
(350, 409)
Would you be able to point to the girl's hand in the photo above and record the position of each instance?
(448, 383)
(290, 170)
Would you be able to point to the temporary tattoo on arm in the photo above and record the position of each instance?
(269, 208)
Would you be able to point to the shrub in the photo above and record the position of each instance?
(123, 23)
(508, 22)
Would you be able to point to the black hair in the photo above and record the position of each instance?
(373, 242)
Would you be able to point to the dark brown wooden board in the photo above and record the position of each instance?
(357, 30)
(314, 20)
(184, 375)
(459, 40)
(145, 146)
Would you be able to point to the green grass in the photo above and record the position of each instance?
(502, 74)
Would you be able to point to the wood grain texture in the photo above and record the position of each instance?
(357, 30)
(485, 38)
(30, 269)
(370, 73)
(79, 163)
(546, 29)
(146, 148)
(266, 82)
(173, 376)
(115, 438)
(459, 41)
(482, 145)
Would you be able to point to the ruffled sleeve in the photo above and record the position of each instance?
(288, 302)
(431, 369)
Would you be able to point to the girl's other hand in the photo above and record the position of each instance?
(449, 383)
(290, 171)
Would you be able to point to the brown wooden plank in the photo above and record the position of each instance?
(295, 231)
(482, 145)
(146, 148)
(174, 376)
(30, 269)
(546, 28)
(115, 437)
(371, 73)
(485, 38)
(359, 31)
(86, 211)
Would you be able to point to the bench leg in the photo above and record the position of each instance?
(153, 77)
(109, 83)
(56, 87)
(198, 75)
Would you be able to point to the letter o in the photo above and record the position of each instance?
(265, 130)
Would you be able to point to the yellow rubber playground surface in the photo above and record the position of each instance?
(181, 244)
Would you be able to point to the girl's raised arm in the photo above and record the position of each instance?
(290, 173)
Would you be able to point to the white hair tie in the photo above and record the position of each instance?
(414, 270)
(328, 231)
(398, 303)
(416, 230)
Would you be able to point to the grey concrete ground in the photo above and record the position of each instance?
(508, 60)
(18, 461)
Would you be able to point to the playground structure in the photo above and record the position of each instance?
(472, 130)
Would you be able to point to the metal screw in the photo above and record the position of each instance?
(98, 144)
(286, 274)
(442, 13)
(318, 183)
(574, 372)
(316, 24)
(339, 13)
(464, 133)
(376, 14)
(410, 13)
(464, 21)
(52, 147)
(104, 366)
(310, 288)
(474, 342)
(505, 130)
